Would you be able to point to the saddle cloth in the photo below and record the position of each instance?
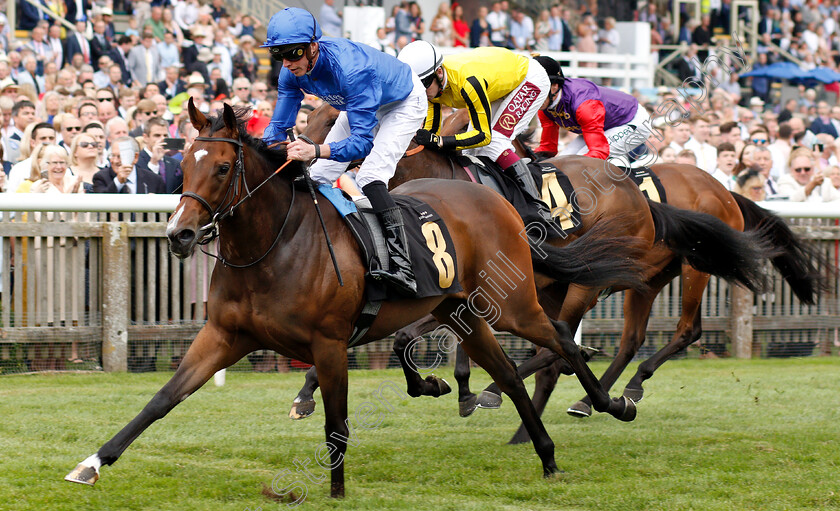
(556, 190)
(648, 183)
(430, 246)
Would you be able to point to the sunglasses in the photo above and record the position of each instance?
(800, 170)
(759, 141)
(85, 145)
(102, 100)
(428, 80)
(72, 128)
(243, 88)
(292, 54)
(56, 164)
(145, 112)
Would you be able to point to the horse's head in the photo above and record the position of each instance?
(213, 170)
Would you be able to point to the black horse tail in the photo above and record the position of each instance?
(600, 258)
(799, 263)
(711, 246)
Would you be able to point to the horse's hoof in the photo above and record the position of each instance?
(588, 352)
(467, 407)
(86, 472)
(580, 410)
(635, 394)
(489, 400)
(626, 409)
(552, 472)
(302, 409)
(441, 384)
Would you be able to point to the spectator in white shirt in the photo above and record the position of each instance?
(680, 133)
(699, 143)
(498, 21)
(726, 161)
(780, 150)
(806, 183)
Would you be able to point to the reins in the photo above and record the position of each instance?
(229, 205)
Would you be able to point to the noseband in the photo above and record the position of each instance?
(226, 209)
(229, 203)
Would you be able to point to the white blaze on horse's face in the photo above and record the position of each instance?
(201, 153)
(173, 222)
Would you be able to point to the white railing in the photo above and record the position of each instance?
(623, 69)
(97, 267)
(151, 203)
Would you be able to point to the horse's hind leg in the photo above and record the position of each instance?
(210, 351)
(636, 314)
(404, 342)
(304, 404)
(688, 329)
(481, 345)
(535, 326)
(467, 401)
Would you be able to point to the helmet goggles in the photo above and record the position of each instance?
(290, 52)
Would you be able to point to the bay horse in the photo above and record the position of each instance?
(688, 188)
(711, 243)
(275, 288)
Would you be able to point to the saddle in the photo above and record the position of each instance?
(557, 191)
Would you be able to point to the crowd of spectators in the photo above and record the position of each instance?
(84, 91)
(70, 97)
(751, 152)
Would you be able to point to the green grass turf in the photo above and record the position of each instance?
(710, 435)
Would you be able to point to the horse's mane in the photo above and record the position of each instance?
(274, 157)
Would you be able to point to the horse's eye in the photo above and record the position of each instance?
(224, 168)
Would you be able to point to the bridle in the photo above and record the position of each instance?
(229, 203)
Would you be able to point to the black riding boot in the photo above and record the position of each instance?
(526, 181)
(400, 276)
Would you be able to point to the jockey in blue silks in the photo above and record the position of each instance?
(382, 104)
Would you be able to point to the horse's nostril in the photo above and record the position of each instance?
(185, 236)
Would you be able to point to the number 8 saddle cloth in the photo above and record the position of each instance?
(430, 246)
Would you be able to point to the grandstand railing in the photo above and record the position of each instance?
(624, 69)
(95, 270)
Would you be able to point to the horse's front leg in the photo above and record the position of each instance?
(304, 404)
(331, 361)
(405, 342)
(213, 349)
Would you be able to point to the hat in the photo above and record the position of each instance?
(7, 83)
(176, 103)
(205, 54)
(247, 39)
(662, 90)
(756, 101)
(3, 19)
(196, 80)
(218, 50)
(107, 11)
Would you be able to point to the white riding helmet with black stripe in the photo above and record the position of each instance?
(423, 58)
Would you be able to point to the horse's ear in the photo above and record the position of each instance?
(230, 121)
(198, 120)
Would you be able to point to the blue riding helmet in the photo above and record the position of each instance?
(292, 25)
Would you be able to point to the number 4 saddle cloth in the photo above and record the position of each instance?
(556, 190)
(430, 246)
